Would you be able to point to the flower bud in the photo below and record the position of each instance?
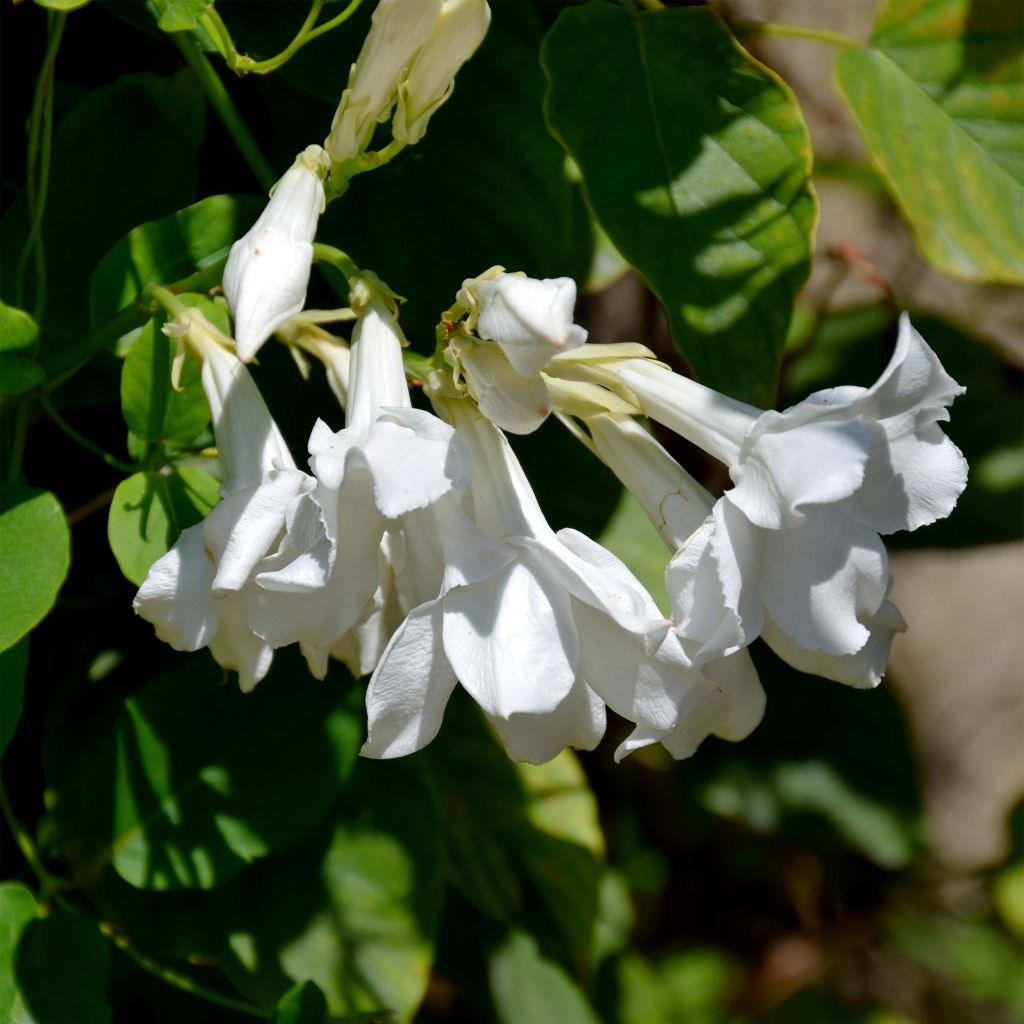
(268, 270)
(530, 320)
(399, 29)
(459, 30)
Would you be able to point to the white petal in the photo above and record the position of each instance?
(376, 372)
(408, 692)
(784, 471)
(737, 547)
(530, 319)
(706, 626)
(512, 642)
(864, 669)
(515, 403)
(578, 721)
(822, 582)
(245, 526)
(175, 595)
(236, 647)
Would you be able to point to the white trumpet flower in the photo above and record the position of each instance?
(267, 272)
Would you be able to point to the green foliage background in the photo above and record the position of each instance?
(187, 852)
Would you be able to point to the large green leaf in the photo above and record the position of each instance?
(61, 966)
(938, 100)
(118, 158)
(18, 331)
(167, 250)
(696, 162)
(198, 780)
(34, 558)
(353, 908)
(150, 510)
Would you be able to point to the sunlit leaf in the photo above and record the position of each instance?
(149, 511)
(696, 162)
(937, 98)
(34, 558)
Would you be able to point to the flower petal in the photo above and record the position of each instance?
(578, 721)
(512, 642)
(408, 692)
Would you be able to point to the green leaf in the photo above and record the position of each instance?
(353, 908)
(167, 250)
(303, 1004)
(198, 780)
(18, 331)
(13, 665)
(17, 910)
(150, 510)
(180, 15)
(524, 845)
(696, 162)
(528, 989)
(153, 410)
(117, 160)
(34, 558)
(937, 99)
(18, 375)
(61, 967)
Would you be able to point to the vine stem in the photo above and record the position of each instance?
(48, 884)
(246, 65)
(224, 105)
(91, 446)
(40, 124)
(334, 22)
(323, 253)
(777, 28)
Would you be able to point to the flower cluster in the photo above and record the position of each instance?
(413, 549)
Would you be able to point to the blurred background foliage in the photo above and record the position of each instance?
(191, 854)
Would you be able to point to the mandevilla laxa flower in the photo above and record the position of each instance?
(203, 592)
(792, 552)
(267, 272)
(546, 638)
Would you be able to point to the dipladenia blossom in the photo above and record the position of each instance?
(792, 552)
(202, 593)
(543, 642)
(267, 272)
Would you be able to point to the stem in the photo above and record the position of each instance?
(18, 441)
(109, 459)
(47, 882)
(41, 122)
(342, 173)
(260, 67)
(220, 36)
(170, 302)
(323, 253)
(776, 28)
(334, 22)
(221, 101)
(181, 980)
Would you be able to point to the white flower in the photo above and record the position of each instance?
(389, 462)
(202, 592)
(268, 269)
(542, 642)
(458, 31)
(520, 324)
(792, 552)
(399, 29)
(530, 320)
